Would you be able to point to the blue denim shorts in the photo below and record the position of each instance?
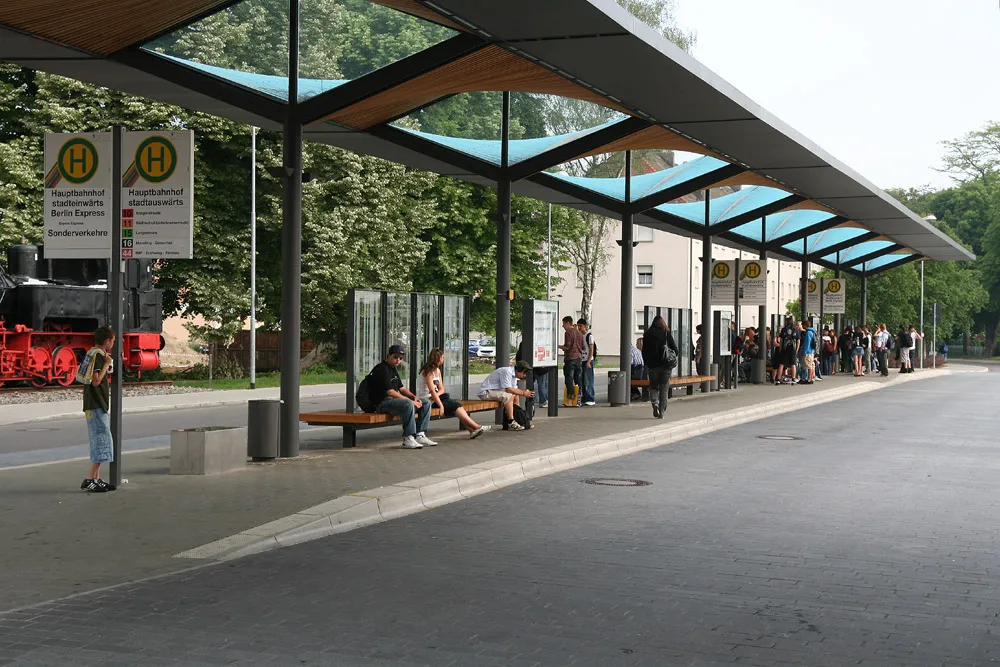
(102, 449)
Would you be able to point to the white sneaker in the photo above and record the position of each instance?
(590, 403)
(479, 431)
(422, 439)
(514, 426)
(409, 442)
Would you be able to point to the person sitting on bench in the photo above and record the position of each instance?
(433, 380)
(501, 385)
(389, 396)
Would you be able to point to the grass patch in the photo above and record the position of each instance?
(265, 380)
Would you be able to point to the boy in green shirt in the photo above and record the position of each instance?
(96, 405)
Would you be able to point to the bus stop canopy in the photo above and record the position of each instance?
(797, 201)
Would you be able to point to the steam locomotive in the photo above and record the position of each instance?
(49, 309)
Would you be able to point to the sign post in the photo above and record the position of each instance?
(723, 281)
(158, 195)
(117, 270)
(834, 296)
(812, 297)
(78, 195)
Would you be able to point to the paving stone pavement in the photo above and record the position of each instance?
(52, 528)
(869, 541)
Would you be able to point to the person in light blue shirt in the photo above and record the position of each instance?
(501, 385)
(809, 351)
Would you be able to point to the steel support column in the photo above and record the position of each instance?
(760, 369)
(706, 297)
(920, 343)
(115, 284)
(625, 343)
(804, 282)
(838, 318)
(864, 299)
(503, 240)
(291, 249)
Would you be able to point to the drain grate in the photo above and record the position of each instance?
(614, 481)
(778, 437)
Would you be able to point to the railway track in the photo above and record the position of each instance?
(56, 387)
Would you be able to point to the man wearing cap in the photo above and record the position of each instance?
(388, 394)
(501, 385)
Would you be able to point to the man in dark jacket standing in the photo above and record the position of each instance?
(656, 338)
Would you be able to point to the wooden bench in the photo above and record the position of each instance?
(682, 380)
(352, 422)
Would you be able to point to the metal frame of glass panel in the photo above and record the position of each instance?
(419, 322)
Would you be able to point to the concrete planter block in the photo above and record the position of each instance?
(208, 451)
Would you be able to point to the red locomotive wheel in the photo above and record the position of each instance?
(39, 362)
(64, 366)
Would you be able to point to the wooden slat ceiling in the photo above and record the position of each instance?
(810, 205)
(489, 69)
(414, 8)
(750, 178)
(655, 137)
(101, 26)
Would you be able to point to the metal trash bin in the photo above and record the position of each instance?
(619, 385)
(263, 421)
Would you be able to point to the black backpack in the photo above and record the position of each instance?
(362, 397)
(905, 340)
(589, 339)
(520, 416)
(788, 338)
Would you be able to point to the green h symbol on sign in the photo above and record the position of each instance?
(160, 158)
(77, 156)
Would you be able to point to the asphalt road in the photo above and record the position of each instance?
(63, 439)
(865, 534)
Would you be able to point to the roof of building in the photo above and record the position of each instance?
(797, 201)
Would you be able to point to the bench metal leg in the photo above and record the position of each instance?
(690, 389)
(350, 437)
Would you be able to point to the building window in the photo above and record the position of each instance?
(644, 275)
(643, 234)
(640, 320)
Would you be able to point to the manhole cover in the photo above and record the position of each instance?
(778, 437)
(614, 481)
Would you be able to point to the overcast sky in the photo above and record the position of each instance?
(877, 83)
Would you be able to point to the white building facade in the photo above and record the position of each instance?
(666, 273)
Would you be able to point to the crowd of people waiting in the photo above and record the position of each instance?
(799, 354)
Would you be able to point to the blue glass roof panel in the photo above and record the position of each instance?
(727, 206)
(646, 184)
(886, 260)
(782, 223)
(819, 242)
(269, 84)
(857, 252)
(488, 150)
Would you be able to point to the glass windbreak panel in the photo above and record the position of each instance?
(398, 327)
(428, 332)
(367, 333)
(455, 346)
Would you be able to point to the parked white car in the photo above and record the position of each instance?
(487, 348)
